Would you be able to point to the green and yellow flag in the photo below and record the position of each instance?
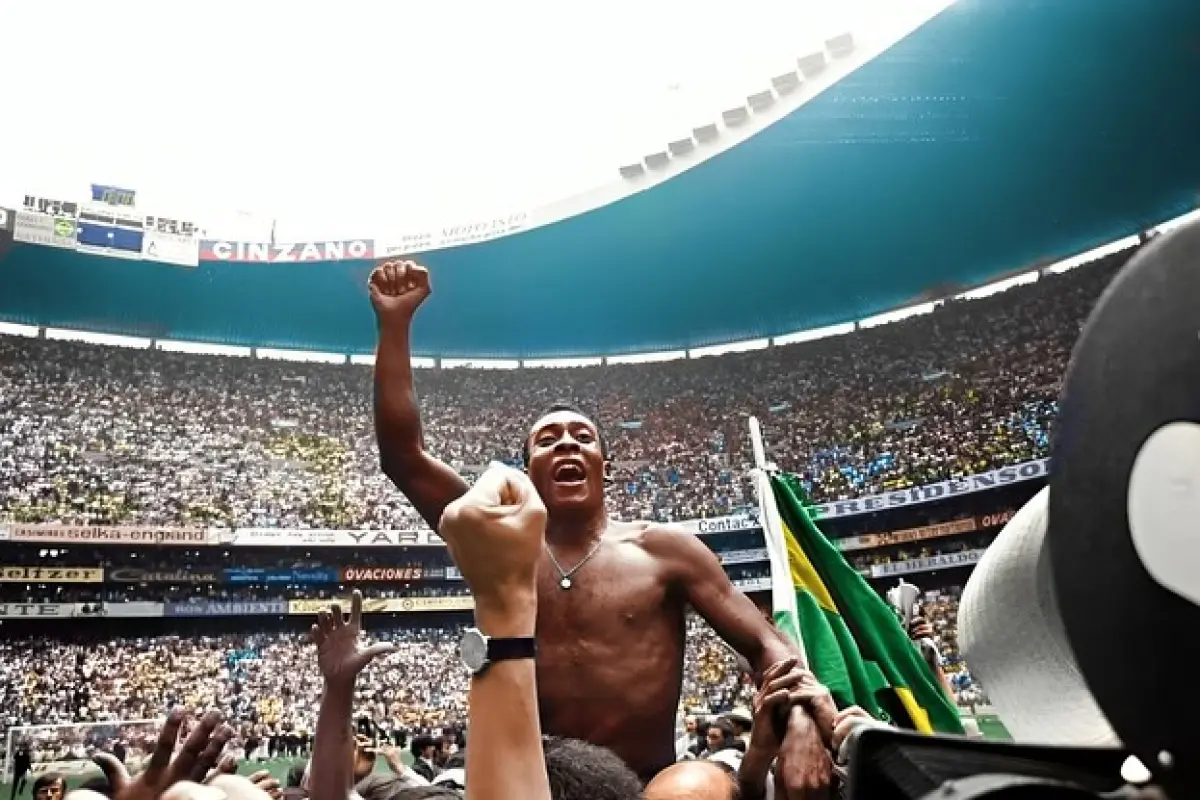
(852, 638)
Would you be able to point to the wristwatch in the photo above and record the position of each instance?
(478, 651)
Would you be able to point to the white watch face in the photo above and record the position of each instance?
(472, 651)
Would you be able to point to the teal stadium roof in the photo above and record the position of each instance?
(1001, 135)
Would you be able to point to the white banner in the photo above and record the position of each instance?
(928, 564)
(38, 610)
(133, 609)
(743, 556)
(1005, 476)
(422, 241)
(44, 229)
(278, 537)
(752, 584)
(171, 248)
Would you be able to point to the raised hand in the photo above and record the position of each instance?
(397, 288)
(195, 759)
(495, 533)
(340, 652)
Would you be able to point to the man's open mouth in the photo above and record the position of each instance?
(569, 473)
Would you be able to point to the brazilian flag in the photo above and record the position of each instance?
(853, 641)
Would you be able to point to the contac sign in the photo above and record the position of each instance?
(52, 574)
(135, 575)
(382, 573)
(302, 252)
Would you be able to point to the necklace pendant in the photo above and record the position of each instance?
(565, 583)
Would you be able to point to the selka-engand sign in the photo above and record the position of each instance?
(294, 253)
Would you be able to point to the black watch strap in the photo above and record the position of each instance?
(511, 649)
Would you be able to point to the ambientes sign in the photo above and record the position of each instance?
(38, 610)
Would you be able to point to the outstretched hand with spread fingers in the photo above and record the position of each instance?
(340, 651)
(195, 759)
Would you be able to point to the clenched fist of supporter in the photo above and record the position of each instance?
(397, 289)
(495, 533)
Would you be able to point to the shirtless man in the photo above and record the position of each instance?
(611, 595)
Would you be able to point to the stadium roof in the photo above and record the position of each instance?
(999, 136)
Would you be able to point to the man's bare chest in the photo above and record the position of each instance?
(609, 594)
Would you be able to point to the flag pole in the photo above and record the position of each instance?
(783, 594)
(756, 444)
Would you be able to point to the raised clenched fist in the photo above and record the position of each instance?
(397, 288)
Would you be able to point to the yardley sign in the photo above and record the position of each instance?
(270, 253)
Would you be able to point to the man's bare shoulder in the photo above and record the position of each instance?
(659, 539)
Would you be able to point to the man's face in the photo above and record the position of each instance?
(715, 739)
(689, 724)
(51, 791)
(566, 464)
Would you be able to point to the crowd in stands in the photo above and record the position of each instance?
(92, 434)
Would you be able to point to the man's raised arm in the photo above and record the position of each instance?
(397, 289)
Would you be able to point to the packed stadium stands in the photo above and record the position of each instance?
(104, 435)
(110, 436)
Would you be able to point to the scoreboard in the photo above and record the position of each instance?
(108, 225)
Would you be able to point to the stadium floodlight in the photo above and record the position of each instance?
(735, 116)
(812, 64)
(840, 46)
(760, 101)
(786, 83)
(631, 171)
(706, 133)
(682, 147)
(68, 748)
(658, 160)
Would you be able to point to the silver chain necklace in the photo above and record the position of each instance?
(565, 581)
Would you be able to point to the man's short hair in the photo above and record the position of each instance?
(564, 406)
(582, 771)
(419, 743)
(723, 725)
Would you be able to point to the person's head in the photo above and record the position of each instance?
(445, 748)
(741, 721)
(424, 747)
(720, 735)
(582, 771)
(50, 786)
(689, 724)
(567, 460)
(692, 780)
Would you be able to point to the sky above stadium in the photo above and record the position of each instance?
(342, 118)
